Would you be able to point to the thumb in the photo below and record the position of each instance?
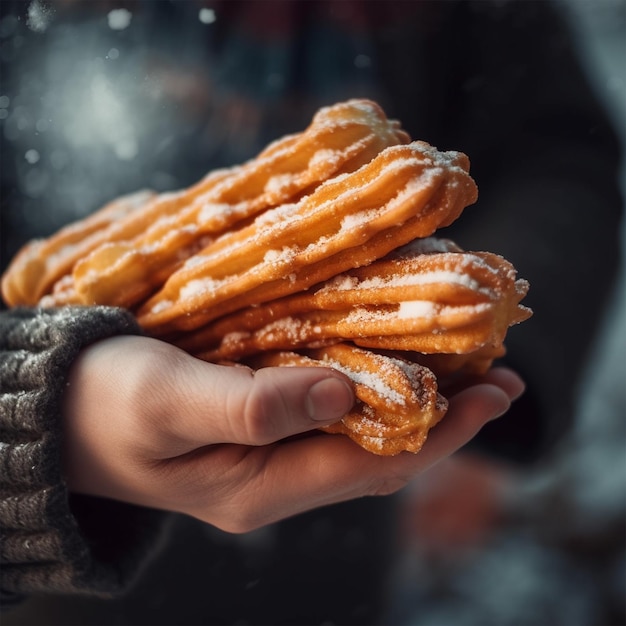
(237, 405)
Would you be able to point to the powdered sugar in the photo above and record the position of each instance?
(276, 184)
(212, 211)
(199, 286)
(324, 157)
(369, 379)
(161, 306)
(416, 308)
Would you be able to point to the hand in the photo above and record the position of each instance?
(148, 424)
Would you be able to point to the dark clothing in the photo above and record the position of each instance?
(101, 111)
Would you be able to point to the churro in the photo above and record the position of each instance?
(320, 251)
(42, 262)
(416, 299)
(405, 192)
(397, 401)
(339, 139)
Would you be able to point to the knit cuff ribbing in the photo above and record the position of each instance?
(51, 541)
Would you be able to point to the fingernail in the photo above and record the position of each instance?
(329, 400)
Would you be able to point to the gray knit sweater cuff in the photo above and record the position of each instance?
(53, 542)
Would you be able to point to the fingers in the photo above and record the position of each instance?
(211, 404)
(320, 470)
(151, 396)
(468, 412)
(502, 377)
(132, 402)
(164, 430)
(507, 380)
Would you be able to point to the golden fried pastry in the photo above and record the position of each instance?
(318, 252)
(397, 401)
(450, 302)
(405, 192)
(41, 262)
(444, 365)
(129, 246)
(339, 139)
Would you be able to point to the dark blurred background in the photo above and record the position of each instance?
(497, 572)
(96, 103)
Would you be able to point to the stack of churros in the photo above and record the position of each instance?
(318, 252)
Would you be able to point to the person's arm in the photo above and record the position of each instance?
(53, 541)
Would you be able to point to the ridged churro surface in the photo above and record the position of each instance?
(349, 221)
(432, 298)
(319, 252)
(397, 401)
